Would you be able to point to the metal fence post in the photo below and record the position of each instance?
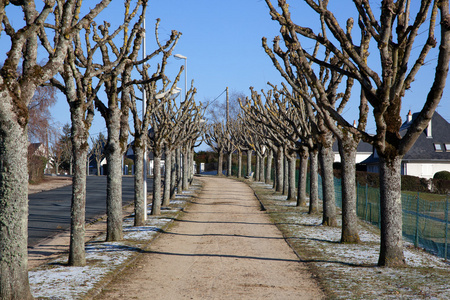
(416, 240)
(367, 200)
(446, 229)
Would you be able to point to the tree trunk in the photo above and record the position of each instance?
(13, 205)
(269, 166)
(261, 168)
(285, 175)
(314, 182)
(329, 199)
(229, 163)
(220, 164)
(167, 178)
(280, 170)
(114, 230)
(186, 165)
(257, 166)
(292, 165)
(156, 203)
(302, 177)
(173, 173)
(98, 167)
(391, 251)
(249, 162)
(77, 253)
(349, 233)
(239, 174)
(139, 205)
(179, 162)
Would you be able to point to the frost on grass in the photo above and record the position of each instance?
(350, 271)
(59, 281)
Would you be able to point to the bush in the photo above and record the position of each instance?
(442, 175)
(36, 167)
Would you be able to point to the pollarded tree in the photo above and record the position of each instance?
(140, 134)
(16, 93)
(394, 39)
(115, 111)
(78, 86)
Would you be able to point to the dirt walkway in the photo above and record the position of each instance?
(224, 247)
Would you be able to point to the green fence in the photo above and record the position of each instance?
(425, 223)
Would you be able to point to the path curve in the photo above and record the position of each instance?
(223, 247)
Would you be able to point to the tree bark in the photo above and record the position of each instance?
(280, 170)
(173, 173)
(114, 230)
(167, 178)
(179, 161)
(257, 166)
(229, 163)
(347, 150)
(79, 136)
(239, 174)
(285, 175)
(391, 250)
(314, 182)
(156, 203)
(261, 168)
(269, 166)
(302, 177)
(249, 162)
(220, 164)
(13, 204)
(139, 205)
(292, 166)
(329, 199)
(186, 165)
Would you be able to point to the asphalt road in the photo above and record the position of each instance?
(49, 211)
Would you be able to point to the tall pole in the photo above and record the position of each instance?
(144, 107)
(228, 109)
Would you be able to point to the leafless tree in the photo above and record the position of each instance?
(98, 150)
(16, 93)
(394, 38)
(115, 111)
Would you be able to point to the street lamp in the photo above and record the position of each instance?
(179, 56)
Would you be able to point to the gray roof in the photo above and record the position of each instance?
(363, 147)
(424, 147)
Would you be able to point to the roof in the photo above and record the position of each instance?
(362, 147)
(424, 147)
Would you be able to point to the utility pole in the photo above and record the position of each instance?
(228, 109)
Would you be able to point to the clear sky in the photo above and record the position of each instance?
(222, 43)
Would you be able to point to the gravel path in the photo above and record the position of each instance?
(223, 247)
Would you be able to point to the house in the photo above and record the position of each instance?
(363, 151)
(429, 154)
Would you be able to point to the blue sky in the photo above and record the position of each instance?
(222, 43)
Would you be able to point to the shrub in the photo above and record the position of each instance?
(443, 175)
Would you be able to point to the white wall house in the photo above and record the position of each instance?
(430, 153)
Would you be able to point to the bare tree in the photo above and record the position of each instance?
(16, 93)
(140, 133)
(98, 150)
(394, 39)
(115, 110)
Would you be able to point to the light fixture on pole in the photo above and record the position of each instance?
(179, 56)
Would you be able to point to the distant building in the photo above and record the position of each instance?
(430, 153)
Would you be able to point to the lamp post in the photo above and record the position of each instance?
(179, 56)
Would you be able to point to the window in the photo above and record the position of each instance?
(447, 146)
(437, 147)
